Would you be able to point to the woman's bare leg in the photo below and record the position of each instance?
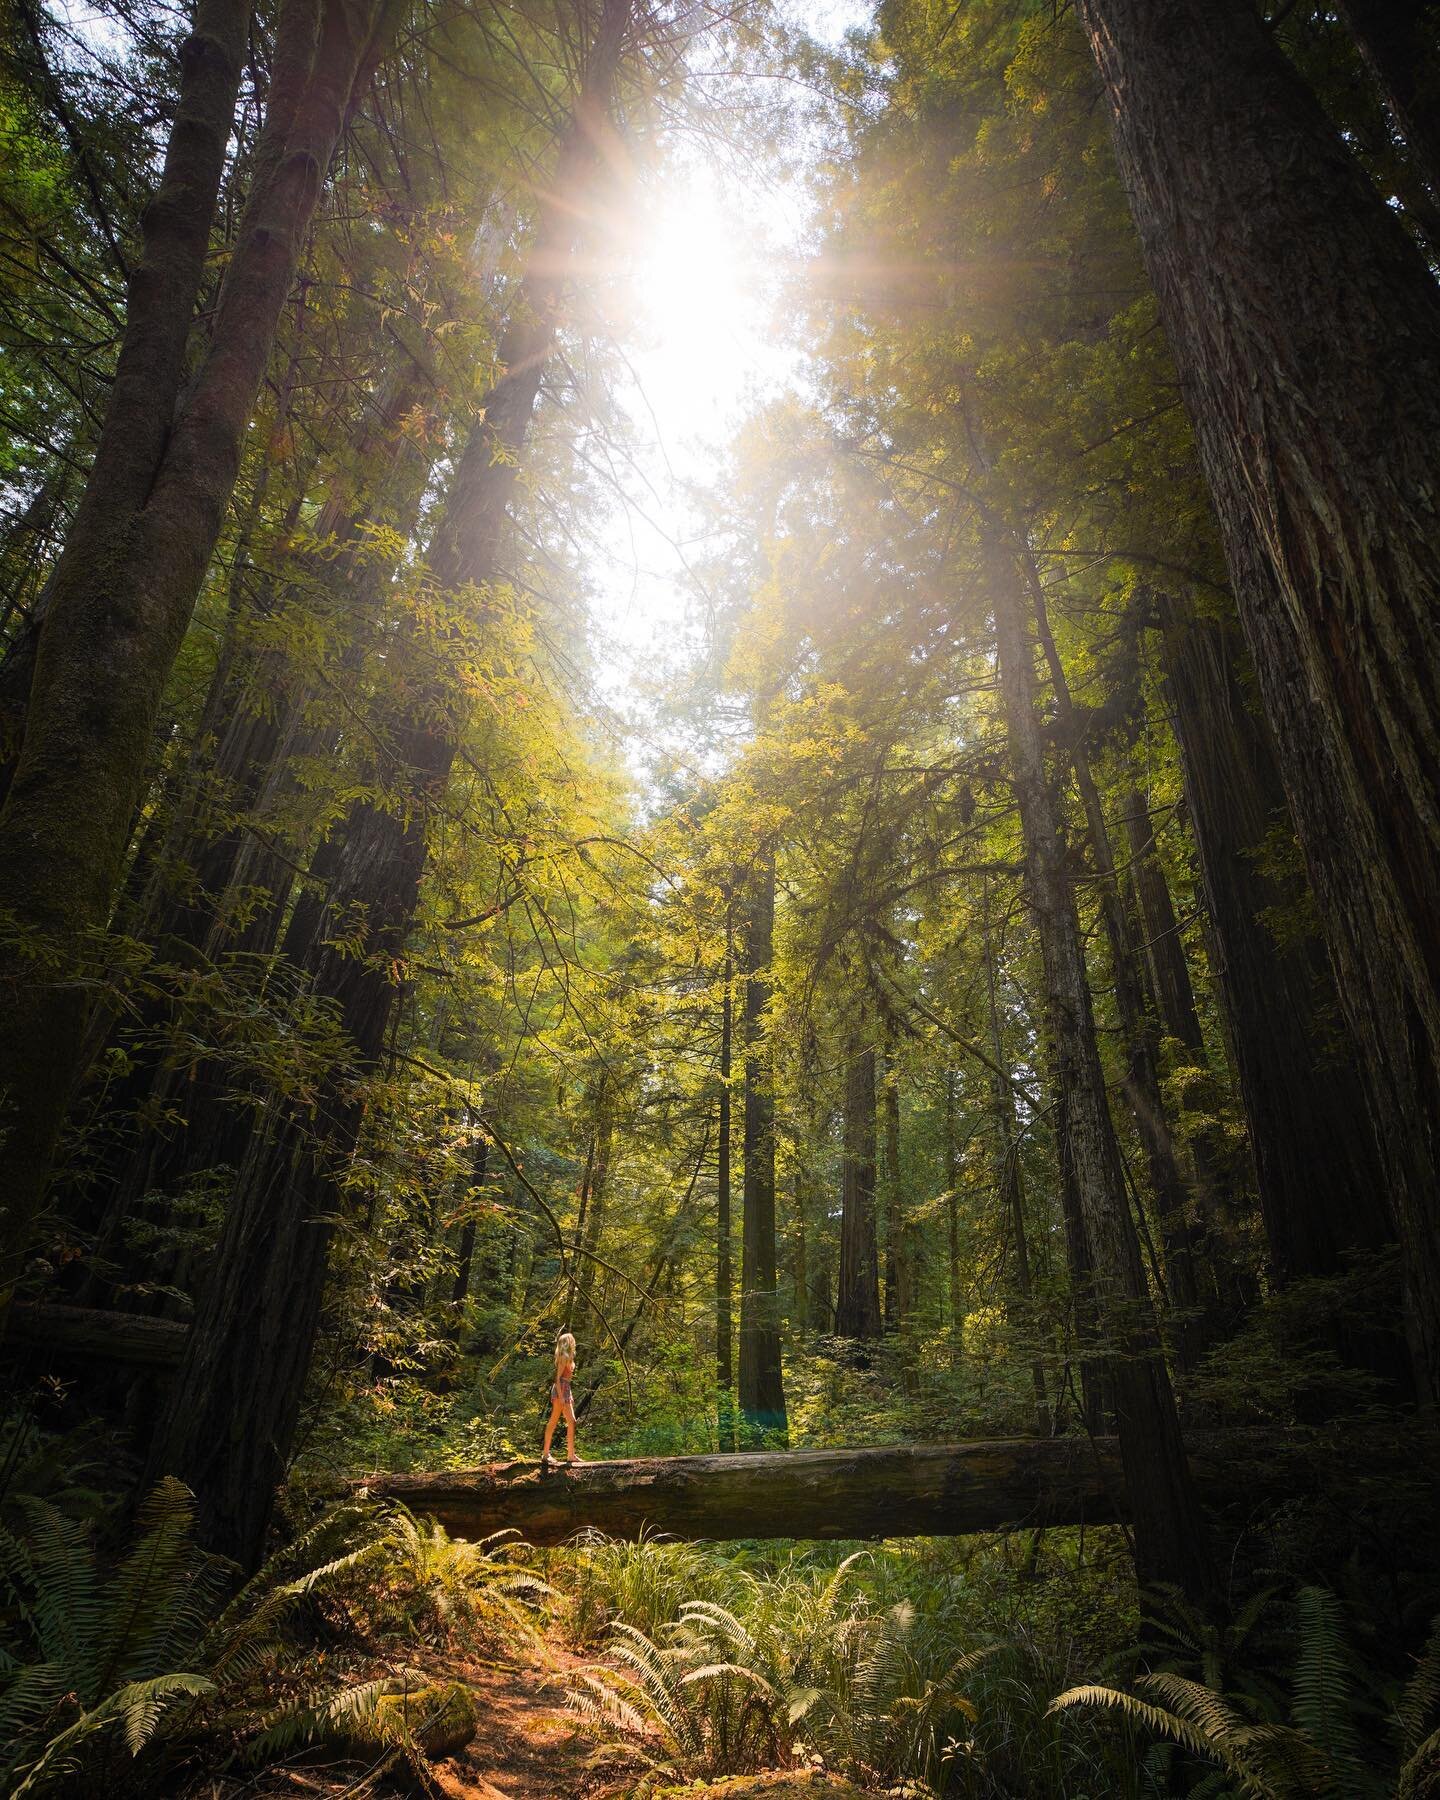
(555, 1410)
(569, 1431)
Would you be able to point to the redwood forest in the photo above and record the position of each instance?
(720, 899)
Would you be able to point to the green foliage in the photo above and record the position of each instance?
(1328, 1740)
(150, 1657)
(819, 1661)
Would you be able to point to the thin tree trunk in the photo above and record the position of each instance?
(895, 1279)
(724, 1281)
(460, 1292)
(857, 1298)
(800, 1247)
(1396, 39)
(1008, 1183)
(761, 1381)
(1170, 1542)
(1172, 1195)
(1175, 1002)
(1306, 328)
(952, 1219)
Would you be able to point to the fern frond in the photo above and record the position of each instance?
(59, 1589)
(1421, 1696)
(138, 1705)
(1165, 1724)
(1324, 1685)
(161, 1596)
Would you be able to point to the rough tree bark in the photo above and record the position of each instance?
(1305, 325)
(125, 585)
(1316, 1164)
(761, 1383)
(909, 1490)
(1170, 1542)
(232, 1415)
(857, 1295)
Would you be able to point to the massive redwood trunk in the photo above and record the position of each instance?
(1306, 328)
(125, 585)
(857, 1294)
(1170, 1543)
(762, 1389)
(227, 1434)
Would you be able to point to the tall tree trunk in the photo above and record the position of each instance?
(232, 1445)
(1172, 1194)
(127, 580)
(761, 1381)
(1315, 1158)
(225, 874)
(1175, 1003)
(460, 1292)
(1009, 1186)
(952, 1219)
(724, 1281)
(1306, 328)
(587, 1239)
(1170, 1542)
(800, 1247)
(24, 559)
(857, 1296)
(896, 1282)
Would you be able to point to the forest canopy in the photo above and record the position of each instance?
(761, 685)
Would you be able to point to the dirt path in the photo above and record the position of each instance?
(530, 1746)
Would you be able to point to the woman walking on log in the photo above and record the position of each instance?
(562, 1401)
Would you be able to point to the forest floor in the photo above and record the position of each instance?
(530, 1746)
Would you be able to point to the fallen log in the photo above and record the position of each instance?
(93, 1333)
(899, 1491)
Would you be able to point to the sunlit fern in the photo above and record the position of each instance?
(448, 1585)
(704, 1716)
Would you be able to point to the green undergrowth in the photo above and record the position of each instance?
(1006, 1669)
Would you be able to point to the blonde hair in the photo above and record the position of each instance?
(564, 1348)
